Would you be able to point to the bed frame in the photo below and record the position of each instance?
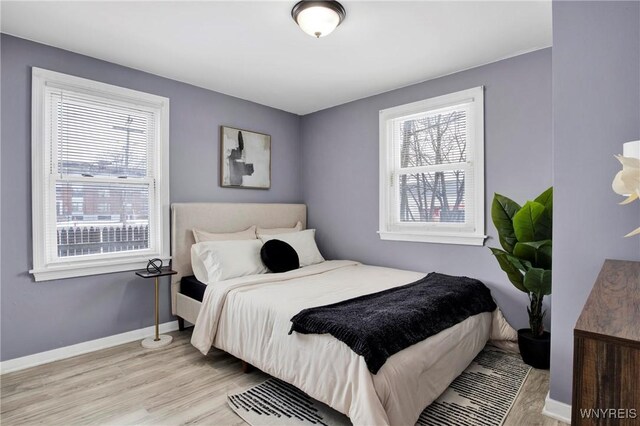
(217, 217)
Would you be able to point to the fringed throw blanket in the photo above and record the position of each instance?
(381, 324)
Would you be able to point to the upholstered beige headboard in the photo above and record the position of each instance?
(221, 217)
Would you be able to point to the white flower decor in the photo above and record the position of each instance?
(627, 182)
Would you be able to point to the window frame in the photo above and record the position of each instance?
(46, 267)
(392, 229)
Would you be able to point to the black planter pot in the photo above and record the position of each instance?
(535, 351)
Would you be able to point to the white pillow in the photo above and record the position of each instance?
(303, 243)
(277, 231)
(214, 261)
(247, 234)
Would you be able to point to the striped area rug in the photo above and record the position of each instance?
(482, 395)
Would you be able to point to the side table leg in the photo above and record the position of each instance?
(157, 340)
(157, 311)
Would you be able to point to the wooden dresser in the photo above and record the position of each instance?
(606, 358)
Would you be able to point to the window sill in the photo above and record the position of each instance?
(94, 267)
(462, 239)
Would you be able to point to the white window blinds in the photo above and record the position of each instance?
(431, 152)
(104, 183)
(104, 179)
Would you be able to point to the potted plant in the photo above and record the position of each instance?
(525, 236)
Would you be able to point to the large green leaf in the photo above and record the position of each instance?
(544, 228)
(546, 198)
(502, 211)
(538, 281)
(521, 264)
(538, 244)
(523, 251)
(526, 220)
(511, 266)
(536, 252)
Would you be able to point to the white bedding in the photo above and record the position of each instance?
(249, 317)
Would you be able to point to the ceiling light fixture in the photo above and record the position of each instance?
(318, 18)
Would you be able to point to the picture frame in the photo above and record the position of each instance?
(245, 159)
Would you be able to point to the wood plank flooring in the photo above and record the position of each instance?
(176, 385)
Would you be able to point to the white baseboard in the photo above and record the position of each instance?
(557, 410)
(82, 348)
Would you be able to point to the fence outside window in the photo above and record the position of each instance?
(95, 239)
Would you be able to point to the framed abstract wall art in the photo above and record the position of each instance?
(245, 159)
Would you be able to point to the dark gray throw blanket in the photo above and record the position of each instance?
(378, 325)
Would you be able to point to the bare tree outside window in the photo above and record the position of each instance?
(433, 140)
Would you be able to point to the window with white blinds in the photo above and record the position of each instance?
(432, 170)
(100, 176)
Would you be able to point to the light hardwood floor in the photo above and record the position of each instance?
(171, 386)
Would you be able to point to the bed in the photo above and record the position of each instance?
(249, 317)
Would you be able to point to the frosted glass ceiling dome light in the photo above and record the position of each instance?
(318, 18)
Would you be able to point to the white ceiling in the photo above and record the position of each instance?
(255, 51)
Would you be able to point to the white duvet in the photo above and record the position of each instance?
(249, 317)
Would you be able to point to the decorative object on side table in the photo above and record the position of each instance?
(525, 236)
(245, 159)
(627, 180)
(155, 270)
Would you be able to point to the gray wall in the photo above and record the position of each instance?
(340, 173)
(596, 107)
(40, 316)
